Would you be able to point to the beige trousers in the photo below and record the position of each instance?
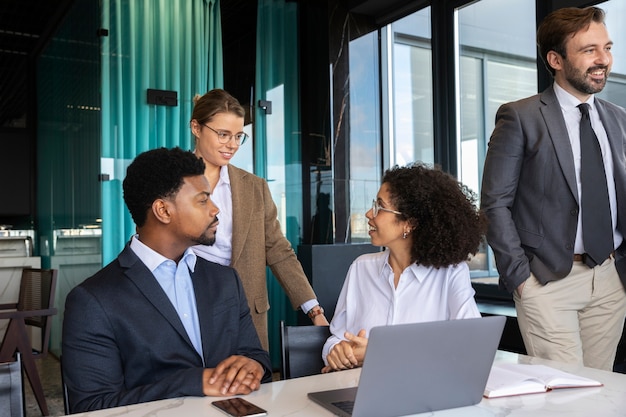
(578, 319)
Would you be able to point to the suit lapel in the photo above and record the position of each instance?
(242, 209)
(137, 272)
(616, 134)
(555, 124)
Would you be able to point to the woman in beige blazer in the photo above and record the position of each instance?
(248, 236)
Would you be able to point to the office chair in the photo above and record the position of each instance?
(301, 348)
(34, 307)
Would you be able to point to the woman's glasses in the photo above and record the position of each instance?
(224, 136)
(376, 208)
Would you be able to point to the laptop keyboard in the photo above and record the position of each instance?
(346, 406)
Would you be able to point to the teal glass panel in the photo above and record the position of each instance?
(68, 152)
(172, 46)
(94, 118)
(277, 138)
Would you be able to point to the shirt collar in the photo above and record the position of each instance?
(224, 175)
(385, 268)
(153, 259)
(568, 102)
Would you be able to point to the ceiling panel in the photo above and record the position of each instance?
(25, 27)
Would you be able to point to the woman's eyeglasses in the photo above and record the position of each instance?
(376, 208)
(224, 137)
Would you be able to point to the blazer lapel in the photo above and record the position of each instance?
(242, 209)
(137, 272)
(555, 124)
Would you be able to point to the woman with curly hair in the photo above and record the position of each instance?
(429, 225)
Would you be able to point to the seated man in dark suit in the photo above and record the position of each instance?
(158, 322)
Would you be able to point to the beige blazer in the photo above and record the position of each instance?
(257, 242)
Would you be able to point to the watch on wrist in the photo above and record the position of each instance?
(315, 311)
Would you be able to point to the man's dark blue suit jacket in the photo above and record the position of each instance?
(123, 342)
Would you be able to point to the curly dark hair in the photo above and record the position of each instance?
(158, 173)
(447, 225)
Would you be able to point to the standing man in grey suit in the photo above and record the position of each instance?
(159, 322)
(570, 306)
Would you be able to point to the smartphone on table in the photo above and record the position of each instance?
(238, 407)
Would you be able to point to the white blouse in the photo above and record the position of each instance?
(368, 297)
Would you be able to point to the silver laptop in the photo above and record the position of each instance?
(420, 367)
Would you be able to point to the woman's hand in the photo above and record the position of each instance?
(348, 353)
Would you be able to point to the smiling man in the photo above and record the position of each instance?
(554, 190)
(159, 322)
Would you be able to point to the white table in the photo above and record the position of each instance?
(288, 398)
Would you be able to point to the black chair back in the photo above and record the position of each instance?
(301, 348)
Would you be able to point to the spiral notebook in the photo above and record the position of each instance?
(420, 367)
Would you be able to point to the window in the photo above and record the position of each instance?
(496, 64)
(411, 115)
(615, 90)
(365, 144)
(406, 108)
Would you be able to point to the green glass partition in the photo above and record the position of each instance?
(277, 137)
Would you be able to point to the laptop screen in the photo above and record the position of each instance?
(421, 367)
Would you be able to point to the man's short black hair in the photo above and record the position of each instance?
(158, 173)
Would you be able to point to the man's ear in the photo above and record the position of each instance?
(161, 210)
(555, 60)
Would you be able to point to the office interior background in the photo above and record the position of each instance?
(336, 91)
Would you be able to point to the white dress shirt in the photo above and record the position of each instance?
(571, 114)
(368, 297)
(221, 251)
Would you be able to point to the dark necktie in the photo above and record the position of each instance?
(596, 212)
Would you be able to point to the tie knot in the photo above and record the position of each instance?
(584, 108)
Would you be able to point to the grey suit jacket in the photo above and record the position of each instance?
(124, 343)
(529, 190)
(257, 242)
